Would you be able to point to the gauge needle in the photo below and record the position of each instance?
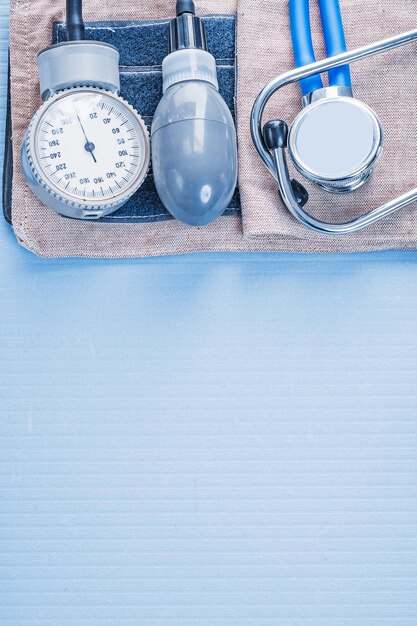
(89, 146)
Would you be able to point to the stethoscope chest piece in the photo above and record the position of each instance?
(335, 141)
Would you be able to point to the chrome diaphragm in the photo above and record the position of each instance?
(336, 140)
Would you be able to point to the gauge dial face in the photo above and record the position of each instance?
(90, 147)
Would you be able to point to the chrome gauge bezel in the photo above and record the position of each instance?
(99, 206)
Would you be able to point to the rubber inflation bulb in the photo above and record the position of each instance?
(194, 148)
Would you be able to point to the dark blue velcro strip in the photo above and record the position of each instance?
(143, 46)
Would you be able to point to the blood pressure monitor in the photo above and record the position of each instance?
(86, 151)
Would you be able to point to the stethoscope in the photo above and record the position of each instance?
(336, 140)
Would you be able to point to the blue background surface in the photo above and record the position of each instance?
(214, 439)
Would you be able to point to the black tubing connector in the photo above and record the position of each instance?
(75, 23)
(187, 31)
(185, 6)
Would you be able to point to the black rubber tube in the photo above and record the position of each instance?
(75, 23)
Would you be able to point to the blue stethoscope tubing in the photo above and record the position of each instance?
(334, 37)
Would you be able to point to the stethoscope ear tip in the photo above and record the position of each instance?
(275, 134)
(300, 193)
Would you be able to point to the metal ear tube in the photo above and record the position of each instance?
(272, 143)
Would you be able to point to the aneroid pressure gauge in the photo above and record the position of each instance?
(86, 151)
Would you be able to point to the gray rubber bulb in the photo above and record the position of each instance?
(194, 147)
